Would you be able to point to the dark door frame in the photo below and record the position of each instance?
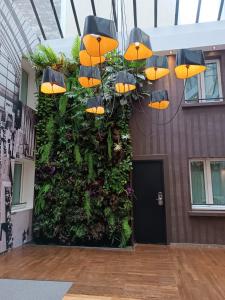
(164, 159)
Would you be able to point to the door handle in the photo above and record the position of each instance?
(160, 199)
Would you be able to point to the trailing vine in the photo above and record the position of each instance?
(83, 194)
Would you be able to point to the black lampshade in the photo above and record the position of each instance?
(52, 82)
(99, 36)
(189, 63)
(87, 60)
(156, 67)
(139, 46)
(89, 76)
(159, 99)
(125, 82)
(95, 105)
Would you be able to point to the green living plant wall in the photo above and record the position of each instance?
(83, 193)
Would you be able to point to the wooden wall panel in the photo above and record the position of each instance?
(196, 132)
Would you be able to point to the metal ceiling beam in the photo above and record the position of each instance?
(198, 11)
(56, 18)
(93, 7)
(155, 12)
(176, 12)
(75, 17)
(114, 14)
(220, 10)
(135, 12)
(38, 19)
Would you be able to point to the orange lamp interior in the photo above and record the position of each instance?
(159, 105)
(49, 88)
(153, 73)
(124, 87)
(187, 71)
(89, 82)
(99, 110)
(132, 53)
(98, 48)
(88, 61)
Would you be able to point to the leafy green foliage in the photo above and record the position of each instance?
(87, 205)
(63, 104)
(76, 48)
(83, 161)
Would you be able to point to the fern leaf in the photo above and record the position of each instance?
(76, 48)
(87, 205)
(109, 143)
(77, 155)
(63, 104)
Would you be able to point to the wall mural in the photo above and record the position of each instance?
(16, 121)
(17, 141)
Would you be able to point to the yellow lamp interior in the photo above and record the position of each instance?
(187, 71)
(99, 110)
(124, 87)
(98, 48)
(89, 82)
(88, 61)
(153, 73)
(132, 53)
(159, 104)
(49, 88)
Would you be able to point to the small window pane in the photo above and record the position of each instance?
(211, 82)
(17, 184)
(218, 182)
(198, 182)
(24, 87)
(191, 89)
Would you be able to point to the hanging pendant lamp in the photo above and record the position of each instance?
(89, 76)
(156, 67)
(52, 82)
(87, 60)
(139, 45)
(189, 63)
(159, 100)
(99, 36)
(95, 105)
(125, 82)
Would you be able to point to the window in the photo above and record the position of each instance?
(205, 87)
(207, 178)
(24, 87)
(17, 183)
(23, 185)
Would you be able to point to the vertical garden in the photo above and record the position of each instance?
(83, 193)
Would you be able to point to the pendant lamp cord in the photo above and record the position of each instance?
(176, 112)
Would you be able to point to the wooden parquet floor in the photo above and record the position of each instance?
(147, 272)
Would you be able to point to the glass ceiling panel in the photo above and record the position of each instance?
(129, 17)
(104, 9)
(83, 10)
(187, 11)
(166, 12)
(223, 13)
(145, 13)
(209, 10)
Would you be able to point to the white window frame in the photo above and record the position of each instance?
(20, 90)
(201, 85)
(27, 185)
(20, 204)
(208, 185)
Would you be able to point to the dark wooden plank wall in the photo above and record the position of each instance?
(197, 132)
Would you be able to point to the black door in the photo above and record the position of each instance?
(149, 202)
